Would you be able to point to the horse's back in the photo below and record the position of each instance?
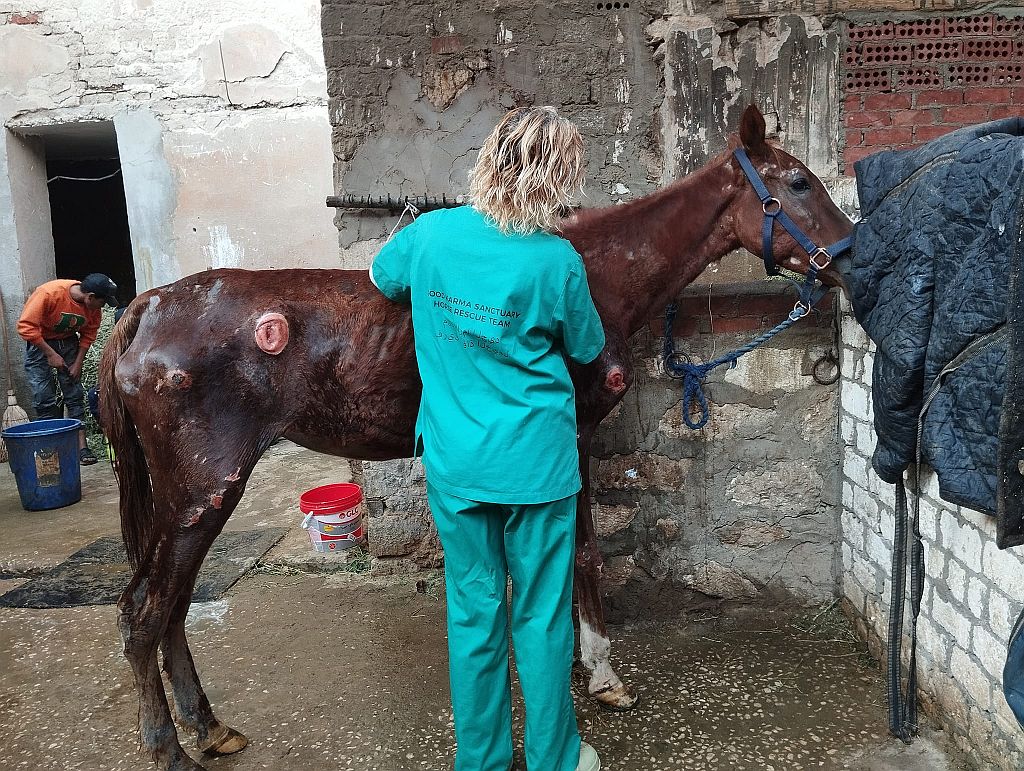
(347, 366)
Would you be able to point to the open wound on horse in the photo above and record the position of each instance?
(272, 333)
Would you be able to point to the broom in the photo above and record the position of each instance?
(13, 415)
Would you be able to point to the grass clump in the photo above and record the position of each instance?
(91, 379)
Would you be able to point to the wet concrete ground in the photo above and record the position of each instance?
(329, 669)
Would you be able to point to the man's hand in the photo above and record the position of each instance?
(54, 359)
(75, 370)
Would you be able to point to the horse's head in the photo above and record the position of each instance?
(794, 191)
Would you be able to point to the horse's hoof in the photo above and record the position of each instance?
(615, 698)
(225, 741)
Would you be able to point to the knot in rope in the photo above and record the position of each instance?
(681, 367)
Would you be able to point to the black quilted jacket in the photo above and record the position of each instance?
(935, 268)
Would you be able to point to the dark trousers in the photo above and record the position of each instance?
(45, 400)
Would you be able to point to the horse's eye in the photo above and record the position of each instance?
(800, 185)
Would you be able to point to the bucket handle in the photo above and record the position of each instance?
(311, 523)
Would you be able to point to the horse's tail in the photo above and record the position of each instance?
(138, 518)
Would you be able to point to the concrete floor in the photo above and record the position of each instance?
(324, 669)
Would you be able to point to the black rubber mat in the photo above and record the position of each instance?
(97, 574)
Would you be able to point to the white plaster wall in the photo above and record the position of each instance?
(973, 592)
(215, 173)
(24, 231)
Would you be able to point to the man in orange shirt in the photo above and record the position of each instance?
(58, 324)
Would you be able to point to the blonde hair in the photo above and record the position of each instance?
(528, 170)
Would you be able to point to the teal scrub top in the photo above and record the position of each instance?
(494, 317)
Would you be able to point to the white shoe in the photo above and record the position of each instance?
(589, 761)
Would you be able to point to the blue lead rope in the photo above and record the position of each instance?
(693, 375)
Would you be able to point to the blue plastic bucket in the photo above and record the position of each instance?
(44, 459)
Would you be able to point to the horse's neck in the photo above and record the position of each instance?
(639, 256)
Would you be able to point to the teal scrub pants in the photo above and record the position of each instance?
(484, 543)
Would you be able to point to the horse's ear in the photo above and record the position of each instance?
(752, 129)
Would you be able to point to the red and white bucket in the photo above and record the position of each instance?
(334, 516)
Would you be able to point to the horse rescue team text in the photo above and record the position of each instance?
(498, 317)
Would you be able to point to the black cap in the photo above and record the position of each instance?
(101, 286)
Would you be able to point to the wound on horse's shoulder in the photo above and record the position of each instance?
(615, 380)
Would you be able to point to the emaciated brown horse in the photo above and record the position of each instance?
(201, 376)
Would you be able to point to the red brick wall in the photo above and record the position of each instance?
(907, 82)
(738, 308)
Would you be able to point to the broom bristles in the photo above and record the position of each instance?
(13, 416)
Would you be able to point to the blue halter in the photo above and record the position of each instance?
(693, 375)
(820, 257)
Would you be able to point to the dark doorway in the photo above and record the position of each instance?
(87, 205)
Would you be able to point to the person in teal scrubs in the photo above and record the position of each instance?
(499, 304)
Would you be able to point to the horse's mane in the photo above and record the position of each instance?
(629, 216)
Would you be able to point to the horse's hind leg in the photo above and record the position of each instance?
(190, 702)
(214, 498)
(154, 606)
(145, 610)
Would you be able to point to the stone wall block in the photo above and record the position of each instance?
(991, 652)
(789, 489)
(668, 529)
(611, 521)
(856, 400)
(974, 680)
(716, 580)
(956, 581)
(394, 536)
(1001, 613)
(641, 472)
(752, 535)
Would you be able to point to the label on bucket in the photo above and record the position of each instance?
(47, 467)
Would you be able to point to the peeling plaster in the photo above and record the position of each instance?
(424, 150)
(27, 59)
(222, 252)
(787, 64)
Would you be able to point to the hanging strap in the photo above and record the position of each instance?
(903, 702)
(409, 209)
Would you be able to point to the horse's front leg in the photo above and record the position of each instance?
(600, 385)
(595, 646)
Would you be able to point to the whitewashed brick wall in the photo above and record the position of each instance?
(973, 592)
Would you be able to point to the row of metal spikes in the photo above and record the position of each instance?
(393, 204)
